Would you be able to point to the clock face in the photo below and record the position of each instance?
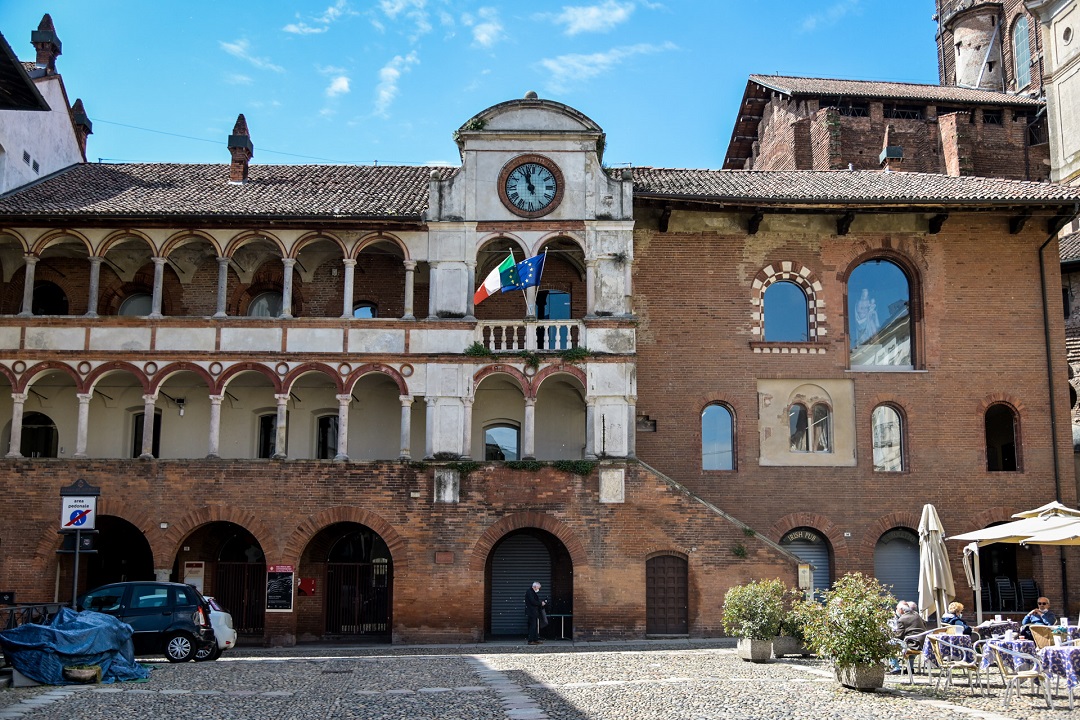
(531, 186)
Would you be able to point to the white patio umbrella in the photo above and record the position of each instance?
(1050, 508)
(1068, 534)
(935, 576)
(974, 572)
(1017, 530)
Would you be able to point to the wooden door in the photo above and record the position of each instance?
(666, 611)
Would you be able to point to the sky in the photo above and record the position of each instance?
(388, 81)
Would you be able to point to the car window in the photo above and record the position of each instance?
(187, 596)
(103, 599)
(149, 596)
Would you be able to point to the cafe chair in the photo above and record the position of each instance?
(1043, 635)
(1017, 668)
(952, 659)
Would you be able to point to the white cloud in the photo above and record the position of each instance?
(387, 89)
(321, 22)
(830, 15)
(241, 49)
(566, 70)
(486, 28)
(415, 11)
(594, 18)
(238, 79)
(338, 86)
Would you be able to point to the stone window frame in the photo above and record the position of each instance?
(807, 281)
(809, 435)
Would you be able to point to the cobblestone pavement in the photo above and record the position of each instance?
(594, 681)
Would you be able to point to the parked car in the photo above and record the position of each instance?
(224, 632)
(168, 618)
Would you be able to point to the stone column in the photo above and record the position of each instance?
(631, 427)
(162, 574)
(95, 284)
(429, 429)
(148, 424)
(347, 297)
(590, 288)
(433, 268)
(343, 428)
(28, 286)
(15, 445)
(406, 427)
(286, 289)
(528, 440)
(410, 289)
(214, 439)
(281, 428)
(590, 430)
(84, 421)
(466, 439)
(159, 279)
(470, 307)
(222, 286)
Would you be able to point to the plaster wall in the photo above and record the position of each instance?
(49, 138)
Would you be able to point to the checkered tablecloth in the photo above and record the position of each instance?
(1062, 661)
(949, 653)
(1024, 646)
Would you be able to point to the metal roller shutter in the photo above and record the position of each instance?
(516, 563)
(896, 563)
(817, 554)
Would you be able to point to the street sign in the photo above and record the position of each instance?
(78, 513)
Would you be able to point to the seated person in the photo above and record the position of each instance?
(908, 623)
(955, 616)
(1041, 615)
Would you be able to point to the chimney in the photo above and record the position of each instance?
(890, 154)
(241, 149)
(83, 127)
(47, 44)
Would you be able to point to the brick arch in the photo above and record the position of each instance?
(518, 521)
(192, 521)
(9, 374)
(46, 240)
(801, 276)
(560, 369)
(120, 508)
(884, 524)
(30, 375)
(171, 369)
(651, 553)
(18, 237)
(240, 240)
(179, 239)
(559, 235)
(235, 370)
(392, 373)
(372, 238)
(908, 265)
(990, 516)
(307, 530)
(820, 523)
(118, 236)
(312, 367)
(1014, 403)
(308, 238)
(504, 369)
(112, 367)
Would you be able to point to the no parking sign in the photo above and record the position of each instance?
(78, 512)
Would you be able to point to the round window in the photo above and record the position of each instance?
(1067, 35)
(267, 304)
(138, 304)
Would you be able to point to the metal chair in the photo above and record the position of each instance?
(952, 658)
(1018, 668)
(1006, 593)
(1028, 591)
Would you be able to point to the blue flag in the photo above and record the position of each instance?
(525, 274)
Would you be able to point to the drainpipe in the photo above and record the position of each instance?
(1053, 405)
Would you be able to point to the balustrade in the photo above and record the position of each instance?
(533, 335)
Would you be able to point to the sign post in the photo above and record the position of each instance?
(78, 515)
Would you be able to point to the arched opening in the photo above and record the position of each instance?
(249, 417)
(811, 548)
(896, 562)
(137, 304)
(374, 419)
(379, 282)
(717, 438)
(667, 605)
(49, 299)
(226, 561)
(123, 554)
(518, 560)
(498, 403)
(502, 441)
(560, 418)
(40, 438)
(265, 305)
(1001, 439)
(785, 311)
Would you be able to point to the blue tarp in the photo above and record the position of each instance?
(41, 652)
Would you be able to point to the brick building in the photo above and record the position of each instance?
(722, 372)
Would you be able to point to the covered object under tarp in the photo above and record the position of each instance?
(41, 652)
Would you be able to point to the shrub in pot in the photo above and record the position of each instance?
(752, 613)
(851, 629)
(792, 639)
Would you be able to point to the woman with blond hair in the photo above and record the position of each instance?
(955, 617)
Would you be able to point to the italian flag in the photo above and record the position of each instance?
(493, 282)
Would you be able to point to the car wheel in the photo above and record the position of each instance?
(179, 648)
(208, 653)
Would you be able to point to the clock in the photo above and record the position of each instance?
(530, 186)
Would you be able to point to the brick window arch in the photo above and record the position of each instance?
(799, 277)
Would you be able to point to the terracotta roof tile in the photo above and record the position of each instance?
(1070, 247)
(830, 87)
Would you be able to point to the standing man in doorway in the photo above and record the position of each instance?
(533, 605)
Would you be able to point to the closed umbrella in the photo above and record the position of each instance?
(935, 576)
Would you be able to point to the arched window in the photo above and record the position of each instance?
(879, 316)
(1001, 440)
(888, 435)
(137, 304)
(810, 429)
(785, 310)
(1021, 53)
(267, 304)
(49, 299)
(502, 442)
(365, 311)
(717, 438)
(39, 436)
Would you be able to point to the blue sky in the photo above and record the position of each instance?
(360, 81)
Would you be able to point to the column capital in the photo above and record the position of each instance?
(149, 399)
(288, 261)
(84, 397)
(282, 399)
(410, 265)
(349, 262)
(344, 399)
(468, 401)
(19, 397)
(530, 402)
(30, 258)
(222, 260)
(216, 399)
(431, 401)
(94, 259)
(591, 262)
(406, 400)
(631, 399)
(159, 260)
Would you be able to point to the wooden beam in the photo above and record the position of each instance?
(1017, 222)
(665, 217)
(843, 223)
(937, 221)
(1060, 218)
(754, 223)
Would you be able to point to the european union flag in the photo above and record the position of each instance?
(525, 274)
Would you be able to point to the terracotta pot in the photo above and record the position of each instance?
(786, 645)
(90, 674)
(754, 650)
(861, 677)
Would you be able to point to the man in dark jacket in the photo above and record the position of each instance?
(533, 605)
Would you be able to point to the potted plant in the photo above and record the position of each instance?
(851, 629)
(752, 613)
(792, 638)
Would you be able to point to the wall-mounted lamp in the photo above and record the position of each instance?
(164, 526)
(180, 405)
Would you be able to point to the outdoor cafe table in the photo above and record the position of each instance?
(996, 628)
(950, 653)
(1062, 661)
(1017, 645)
